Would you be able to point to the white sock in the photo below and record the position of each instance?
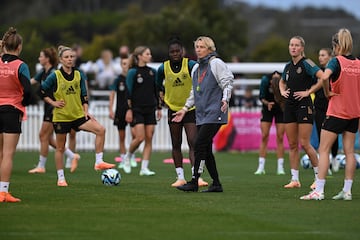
(192, 170)
(320, 184)
(347, 185)
(144, 164)
(280, 163)
(68, 153)
(122, 156)
(4, 186)
(316, 170)
(61, 175)
(261, 163)
(132, 156)
(180, 173)
(127, 156)
(294, 175)
(42, 161)
(99, 157)
(201, 166)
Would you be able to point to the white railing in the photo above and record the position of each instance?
(29, 139)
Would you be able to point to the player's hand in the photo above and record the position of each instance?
(179, 115)
(224, 106)
(285, 93)
(129, 116)
(58, 103)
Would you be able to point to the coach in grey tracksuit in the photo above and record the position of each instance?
(211, 92)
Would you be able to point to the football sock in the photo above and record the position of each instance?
(42, 161)
(68, 153)
(180, 173)
(261, 163)
(144, 164)
(60, 174)
(99, 157)
(316, 170)
(280, 162)
(347, 185)
(4, 186)
(320, 183)
(294, 175)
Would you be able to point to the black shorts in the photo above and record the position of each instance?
(48, 112)
(339, 125)
(10, 119)
(119, 119)
(275, 113)
(188, 118)
(144, 116)
(65, 127)
(301, 112)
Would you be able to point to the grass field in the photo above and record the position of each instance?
(251, 207)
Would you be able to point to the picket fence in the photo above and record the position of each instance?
(29, 139)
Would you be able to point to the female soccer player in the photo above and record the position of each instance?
(271, 110)
(342, 115)
(49, 61)
(67, 85)
(175, 73)
(14, 96)
(119, 88)
(143, 100)
(296, 85)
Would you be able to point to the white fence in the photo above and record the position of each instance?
(29, 140)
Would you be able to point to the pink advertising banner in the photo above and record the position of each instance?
(248, 132)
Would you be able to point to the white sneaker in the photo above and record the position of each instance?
(335, 164)
(343, 196)
(133, 162)
(313, 195)
(259, 171)
(146, 172)
(280, 171)
(121, 165)
(127, 165)
(68, 163)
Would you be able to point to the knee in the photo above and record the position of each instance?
(265, 137)
(101, 131)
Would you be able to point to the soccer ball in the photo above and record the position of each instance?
(342, 160)
(305, 162)
(110, 177)
(357, 158)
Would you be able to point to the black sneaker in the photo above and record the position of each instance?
(214, 188)
(191, 186)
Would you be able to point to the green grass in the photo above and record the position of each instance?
(251, 207)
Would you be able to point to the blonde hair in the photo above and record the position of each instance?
(62, 49)
(209, 43)
(302, 42)
(344, 40)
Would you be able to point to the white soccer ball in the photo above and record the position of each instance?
(342, 160)
(357, 157)
(110, 177)
(305, 162)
